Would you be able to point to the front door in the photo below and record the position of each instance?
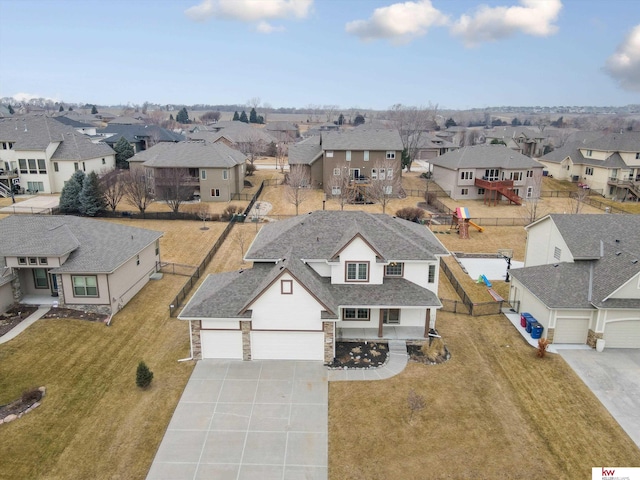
(391, 316)
(54, 284)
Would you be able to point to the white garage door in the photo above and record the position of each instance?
(571, 330)
(287, 345)
(625, 334)
(221, 343)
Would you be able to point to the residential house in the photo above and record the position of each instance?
(285, 132)
(581, 279)
(367, 154)
(140, 137)
(523, 140)
(6, 292)
(488, 172)
(241, 136)
(430, 146)
(77, 262)
(40, 154)
(316, 278)
(213, 172)
(608, 163)
(80, 127)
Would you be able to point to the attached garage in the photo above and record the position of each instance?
(622, 334)
(283, 345)
(571, 330)
(221, 343)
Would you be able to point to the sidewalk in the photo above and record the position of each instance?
(23, 325)
(396, 363)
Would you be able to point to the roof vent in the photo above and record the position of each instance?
(617, 240)
(634, 261)
(618, 254)
(555, 264)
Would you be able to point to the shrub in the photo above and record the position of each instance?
(433, 348)
(250, 169)
(31, 396)
(543, 343)
(229, 212)
(143, 375)
(413, 214)
(214, 217)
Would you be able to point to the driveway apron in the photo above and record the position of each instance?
(248, 420)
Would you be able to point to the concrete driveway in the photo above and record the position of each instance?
(248, 420)
(614, 376)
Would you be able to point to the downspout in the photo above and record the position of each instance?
(190, 347)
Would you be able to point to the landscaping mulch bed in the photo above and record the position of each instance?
(57, 312)
(429, 352)
(14, 316)
(359, 355)
(20, 406)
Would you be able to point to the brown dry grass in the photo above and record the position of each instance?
(493, 411)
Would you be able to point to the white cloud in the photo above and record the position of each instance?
(25, 97)
(250, 10)
(266, 27)
(532, 17)
(624, 64)
(400, 22)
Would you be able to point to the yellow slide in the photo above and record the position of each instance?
(480, 229)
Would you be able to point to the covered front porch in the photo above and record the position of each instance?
(389, 332)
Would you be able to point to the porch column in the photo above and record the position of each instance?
(380, 332)
(427, 321)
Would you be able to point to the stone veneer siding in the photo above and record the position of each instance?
(60, 290)
(16, 289)
(329, 341)
(592, 337)
(196, 344)
(245, 326)
(550, 333)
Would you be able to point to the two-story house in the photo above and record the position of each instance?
(523, 140)
(75, 262)
(211, 171)
(581, 278)
(315, 278)
(39, 154)
(607, 163)
(488, 172)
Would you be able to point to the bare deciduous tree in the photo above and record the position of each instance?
(201, 209)
(416, 403)
(155, 117)
(297, 188)
(175, 189)
(241, 238)
(411, 123)
(532, 207)
(112, 188)
(330, 111)
(137, 191)
(282, 150)
(577, 200)
(252, 146)
(340, 186)
(385, 183)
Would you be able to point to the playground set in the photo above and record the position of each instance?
(460, 220)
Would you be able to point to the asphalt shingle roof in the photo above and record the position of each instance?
(484, 156)
(190, 154)
(94, 246)
(359, 139)
(132, 133)
(305, 152)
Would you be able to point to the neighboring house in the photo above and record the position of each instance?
(80, 127)
(141, 137)
(78, 262)
(41, 153)
(487, 172)
(368, 155)
(213, 171)
(241, 136)
(521, 139)
(283, 131)
(6, 292)
(581, 278)
(313, 278)
(431, 146)
(608, 163)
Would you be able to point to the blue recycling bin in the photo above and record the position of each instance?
(530, 322)
(536, 330)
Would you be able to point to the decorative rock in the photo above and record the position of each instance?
(10, 418)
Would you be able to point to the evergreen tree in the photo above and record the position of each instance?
(236, 117)
(450, 123)
(359, 120)
(70, 195)
(124, 151)
(253, 116)
(260, 119)
(71, 109)
(183, 116)
(243, 117)
(406, 160)
(61, 109)
(171, 117)
(11, 110)
(341, 119)
(94, 110)
(143, 375)
(91, 199)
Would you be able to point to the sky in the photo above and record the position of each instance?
(368, 54)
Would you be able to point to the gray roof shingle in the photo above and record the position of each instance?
(362, 139)
(305, 152)
(190, 154)
(484, 156)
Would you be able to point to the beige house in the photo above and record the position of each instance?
(77, 262)
(609, 164)
(523, 140)
(213, 172)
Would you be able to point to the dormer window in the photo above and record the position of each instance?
(357, 271)
(589, 153)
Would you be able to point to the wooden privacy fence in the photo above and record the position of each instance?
(475, 309)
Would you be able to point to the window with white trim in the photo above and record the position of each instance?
(32, 165)
(355, 314)
(529, 173)
(43, 260)
(286, 287)
(515, 176)
(357, 271)
(55, 167)
(389, 173)
(42, 166)
(33, 261)
(85, 286)
(35, 186)
(366, 155)
(464, 191)
(589, 153)
(374, 174)
(203, 174)
(394, 269)
(391, 155)
(388, 189)
(466, 175)
(22, 260)
(336, 190)
(23, 165)
(432, 274)
(215, 192)
(588, 171)
(336, 172)
(225, 174)
(348, 155)
(329, 153)
(40, 278)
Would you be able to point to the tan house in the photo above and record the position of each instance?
(362, 152)
(609, 164)
(521, 139)
(77, 262)
(213, 172)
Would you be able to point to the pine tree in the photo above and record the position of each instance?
(91, 200)
(243, 117)
(450, 123)
(183, 116)
(61, 109)
(253, 116)
(171, 117)
(124, 151)
(94, 110)
(71, 109)
(143, 375)
(236, 117)
(70, 195)
(341, 119)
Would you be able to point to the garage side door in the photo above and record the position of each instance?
(625, 334)
(571, 330)
(221, 343)
(287, 345)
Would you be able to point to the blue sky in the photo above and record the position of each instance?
(352, 53)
